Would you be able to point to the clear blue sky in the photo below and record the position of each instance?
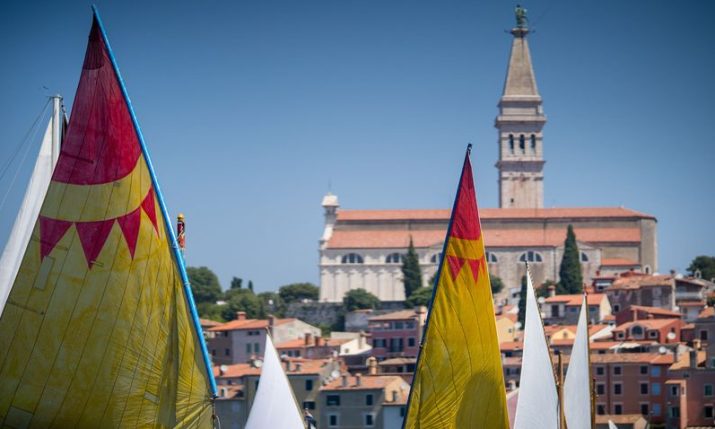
(252, 110)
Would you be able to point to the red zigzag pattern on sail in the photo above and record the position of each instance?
(93, 235)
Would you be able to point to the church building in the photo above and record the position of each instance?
(364, 248)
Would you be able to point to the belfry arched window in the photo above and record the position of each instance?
(511, 144)
(522, 143)
(352, 258)
(533, 143)
(584, 257)
(530, 256)
(435, 258)
(394, 258)
(491, 258)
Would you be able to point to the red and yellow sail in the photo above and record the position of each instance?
(97, 330)
(459, 381)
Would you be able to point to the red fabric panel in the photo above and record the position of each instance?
(466, 216)
(130, 227)
(101, 145)
(93, 235)
(51, 231)
(150, 207)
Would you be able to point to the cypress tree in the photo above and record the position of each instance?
(522, 302)
(570, 278)
(411, 273)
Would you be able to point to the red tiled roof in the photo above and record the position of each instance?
(524, 237)
(593, 299)
(654, 358)
(208, 323)
(300, 342)
(397, 315)
(236, 370)
(654, 310)
(366, 382)
(648, 324)
(636, 281)
(236, 325)
(620, 419)
(708, 312)
(511, 345)
(619, 262)
(493, 213)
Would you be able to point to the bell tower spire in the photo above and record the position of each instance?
(520, 123)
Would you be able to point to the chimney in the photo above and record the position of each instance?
(317, 341)
(298, 366)
(552, 290)
(372, 366)
(287, 362)
(693, 358)
(345, 380)
(240, 315)
(358, 379)
(307, 338)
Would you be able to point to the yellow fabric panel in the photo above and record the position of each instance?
(111, 345)
(459, 382)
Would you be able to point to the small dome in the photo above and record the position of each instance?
(330, 200)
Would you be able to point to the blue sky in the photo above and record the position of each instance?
(253, 110)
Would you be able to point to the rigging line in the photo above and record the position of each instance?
(25, 139)
(17, 172)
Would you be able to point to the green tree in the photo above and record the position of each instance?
(570, 278)
(704, 264)
(411, 273)
(204, 284)
(543, 290)
(497, 284)
(272, 303)
(250, 285)
(297, 292)
(421, 296)
(242, 300)
(210, 311)
(360, 299)
(522, 301)
(236, 283)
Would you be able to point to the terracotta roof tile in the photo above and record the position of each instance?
(648, 324)
(707, 313)
(634, 281)
(493, 213)
(367, 382)
(397, 315)
(619, 262)
(593, 299)
(631, 358)
(654, 310)
(236, 325)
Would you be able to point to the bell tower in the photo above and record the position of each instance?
(520, 122)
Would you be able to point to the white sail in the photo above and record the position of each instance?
(274, 405)
(612, 425)
(577, 384)
(538, 397)
(30, 209)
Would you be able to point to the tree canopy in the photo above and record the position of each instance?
(360, 299)
(242, 300)
(411, 272)
(204, 284)
(297, 292)
(570, 278)
(522, 301)
(704, 264)
(421, 296)
(236, 283)
(497, 284)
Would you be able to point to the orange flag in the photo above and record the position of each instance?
(459, 381)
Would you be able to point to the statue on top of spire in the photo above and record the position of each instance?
(521, 20)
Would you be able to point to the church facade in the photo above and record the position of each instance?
(364, 248)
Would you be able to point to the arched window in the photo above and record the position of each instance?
(435, 258)
(352, 258)
(522, 143)
(530, 256)
(646, 269)
(491, 258)
(533, 143)
(511, 143)
(394, 258)
(637, 332)
(584, 257)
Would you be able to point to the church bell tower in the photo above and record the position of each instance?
(520, 123)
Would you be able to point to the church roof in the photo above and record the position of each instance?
(520, 80)
(493, 214)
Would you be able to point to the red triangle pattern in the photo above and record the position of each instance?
(51, 231)
(475, 265)
(130, 227)
(150, 208)
(93, 235)
(455, 264)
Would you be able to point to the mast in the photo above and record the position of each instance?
(560, 387)
(56, 126)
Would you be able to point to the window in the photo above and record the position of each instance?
(616, 370)
(708, 411)
(491, 258)
(644, 388)
(332, 400)
(256, 348)
(435, 258)
(227, 352)
(708, 390)
(369, 419)
(352, 258)
(213, 352)
(674, 412)
(656, 409)
(584, 257)
(600, 389)
(703, 335)
(617, 389)
(402, 411)
(616, 308)
(600, 370)
(308, 385)
(600, 409)
(637, 332)
(674, 390)
(248, 348)
(644, 369)
(533, 143)
(653, 334)
(618, 409)
(530, 256)
(655, 371)
(644, 409)
(368, 399)
(410, 342)
(511, 144)
(394, 258)
(333, 420)
(309, 405)
(522, 143)
(655, 388)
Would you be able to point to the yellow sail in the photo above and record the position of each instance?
(459, 381)
(97, 330)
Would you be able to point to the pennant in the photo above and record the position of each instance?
(459, 381)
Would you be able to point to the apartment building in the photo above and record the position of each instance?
(397, 334)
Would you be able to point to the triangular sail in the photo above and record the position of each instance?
(29, 210)
(538, 398)
(99, 329)
(577, 383)
(274, 405)
(612, 425)
(459, 380)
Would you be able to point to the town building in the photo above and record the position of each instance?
(397, 334)
(632, 288)
(243, 340)
(311, 347)
(564, 309)
(365, 248)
